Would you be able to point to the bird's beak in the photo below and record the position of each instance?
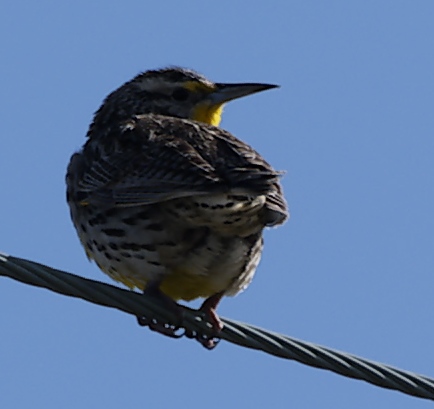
(210, 109)
(227, 92)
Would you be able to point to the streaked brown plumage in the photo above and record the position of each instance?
(163, 199)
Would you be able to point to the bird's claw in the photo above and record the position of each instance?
(170, 330)
(207, 341)
(176, 331)
(207, 310)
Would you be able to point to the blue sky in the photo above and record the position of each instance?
(353, 126)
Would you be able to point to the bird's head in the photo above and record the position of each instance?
(175, 92)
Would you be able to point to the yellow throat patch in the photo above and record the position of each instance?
(207, 113)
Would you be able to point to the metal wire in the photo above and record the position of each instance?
(238, 333)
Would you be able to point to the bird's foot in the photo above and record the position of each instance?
(207, 340)
(165, 328)
(209, 308)
(170, 330)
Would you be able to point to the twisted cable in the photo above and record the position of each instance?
(238, 333)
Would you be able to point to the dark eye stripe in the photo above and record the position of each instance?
(180, 94)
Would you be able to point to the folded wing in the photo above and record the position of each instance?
(158, 158)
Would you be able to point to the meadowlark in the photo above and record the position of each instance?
(165, 201)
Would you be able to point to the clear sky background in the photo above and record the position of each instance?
(353, 126)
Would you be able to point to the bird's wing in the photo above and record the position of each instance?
(153, 158)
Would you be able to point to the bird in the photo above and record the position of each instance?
(165, 201)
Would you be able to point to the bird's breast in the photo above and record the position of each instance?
(189, 258)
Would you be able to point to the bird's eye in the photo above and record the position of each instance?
(180, 94)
